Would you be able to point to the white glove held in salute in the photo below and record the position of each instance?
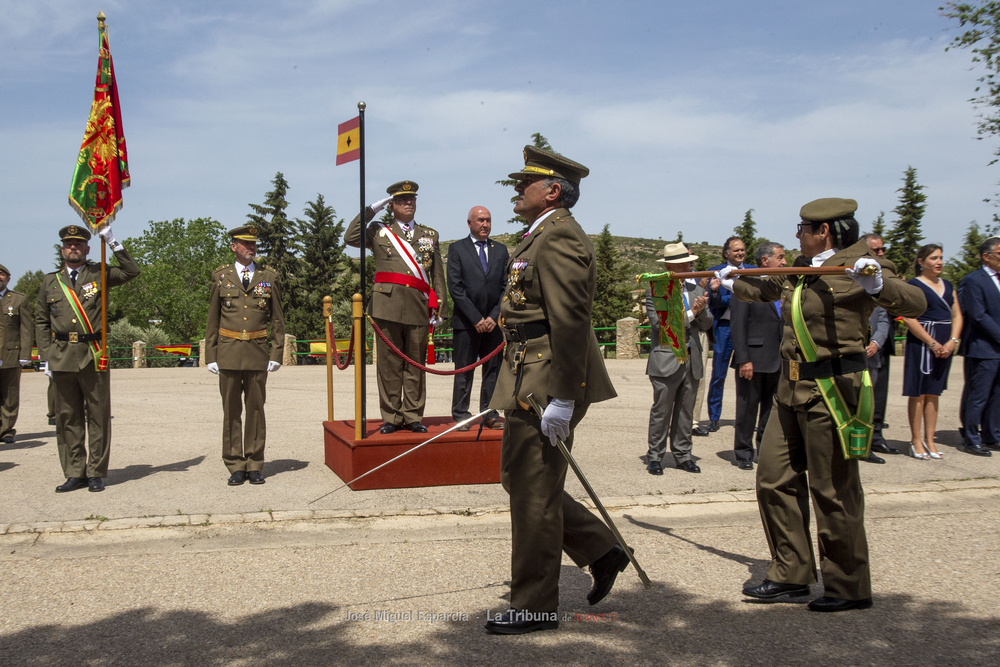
(109, 237)
(556, 418)
(380, 204)
(723, 276)
(213, 367)
(273, 366)
(872, 284)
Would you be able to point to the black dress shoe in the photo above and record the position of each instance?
(255, 477)
(519, 622)
(493, 423)
(873, 459)
(52, 421)
(416, 427)
(95, 484)
(768, 590)
(237, 478)
(655, 468)
(688, 466)
(699, 431)
(387, 428)
(605, 570)
(995, 446)
(836, 604)
(883, 448)
(713, 425)
(978, 450)
(8, 439)
(72, 484)
(745, 464)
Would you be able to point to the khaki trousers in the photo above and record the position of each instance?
(243, 441)
(83, 413)
(402, 388)
(545, 520)
(10, 396)
(801, 456)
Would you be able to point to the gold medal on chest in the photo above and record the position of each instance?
(262, 303)
(516, 297)
(10, 311)
(89, 290)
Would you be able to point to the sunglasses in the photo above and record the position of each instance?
(880, 249)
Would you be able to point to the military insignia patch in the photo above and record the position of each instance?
(262, 290)
(262, 303)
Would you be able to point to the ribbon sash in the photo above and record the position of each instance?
(405, 251)
(853, 430)
(100, 363)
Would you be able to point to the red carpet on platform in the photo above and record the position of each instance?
(456, 458)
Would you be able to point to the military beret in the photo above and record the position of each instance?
(3, 269)
(245, 233)
(403, 188)
(539, 162)
(831, 208)
(74, 233)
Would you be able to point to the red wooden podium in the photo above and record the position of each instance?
(456, 458)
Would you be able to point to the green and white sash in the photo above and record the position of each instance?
(854, 431)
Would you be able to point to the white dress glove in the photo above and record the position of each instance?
(380, 204)
(436, 321)
(556, 418)
(25, 362)
(871, 284)
(108, 237)
(213, 367)
(45, 369)
(273, 366)
(724, 279)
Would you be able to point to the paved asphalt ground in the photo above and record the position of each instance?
(169, 566)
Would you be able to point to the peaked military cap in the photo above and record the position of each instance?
(831, 208)
(74, 233)
(539, 162)
(403, 188)
(3, 269)
(245, 233)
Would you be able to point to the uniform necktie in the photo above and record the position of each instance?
(72, 276)
(777, 304)
(482, 255)
(246, 278)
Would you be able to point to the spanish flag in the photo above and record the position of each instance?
(349, 140)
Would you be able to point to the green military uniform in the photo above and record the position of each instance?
(15, 345)
(552, 352)
(800, 453)
(64, 344)
(237, 340)
(401, 311)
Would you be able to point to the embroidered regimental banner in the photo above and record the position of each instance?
(102, 167)
(668, 301)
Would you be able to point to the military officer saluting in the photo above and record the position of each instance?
(408, 295)
(245, 301)
(15, 350)
(821, 424)
(67, 330)
(552, 353)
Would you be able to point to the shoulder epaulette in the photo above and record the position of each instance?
(219, 268)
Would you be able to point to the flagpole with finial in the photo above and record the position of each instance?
(101, 27)
(359, 360)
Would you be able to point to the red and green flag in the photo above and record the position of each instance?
(102, 167)
(668, 301)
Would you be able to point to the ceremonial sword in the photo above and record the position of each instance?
(593, 496)
(409, 451)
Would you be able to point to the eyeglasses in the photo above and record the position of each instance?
(880, 249)
(804, 227)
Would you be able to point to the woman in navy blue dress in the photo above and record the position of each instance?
(930, 342)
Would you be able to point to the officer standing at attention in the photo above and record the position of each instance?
(15, 350)
(824, 385)
(245, 299)
(67, 331)
(409, 294)
(552, 353)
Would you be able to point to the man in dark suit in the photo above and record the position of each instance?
(756, 330)
(879, 349)
(477, 277)
(734, 250)
(979, 297)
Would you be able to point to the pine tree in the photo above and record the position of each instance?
(612, 296)
(967, 260)
(275, 238)
(538, 141)
(878, 227)
(318, 240)
(748, 234)
(906, 237)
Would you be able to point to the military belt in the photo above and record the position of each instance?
(804, 370)
(527, 331)
(74, 337)
(242, 335)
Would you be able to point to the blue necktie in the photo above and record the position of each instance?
(482, 255)
(777, 304)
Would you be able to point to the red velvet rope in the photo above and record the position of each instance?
(405, 358)
(336, 355)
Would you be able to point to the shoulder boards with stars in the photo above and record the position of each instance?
(220, 268)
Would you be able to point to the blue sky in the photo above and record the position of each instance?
(687, 114)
